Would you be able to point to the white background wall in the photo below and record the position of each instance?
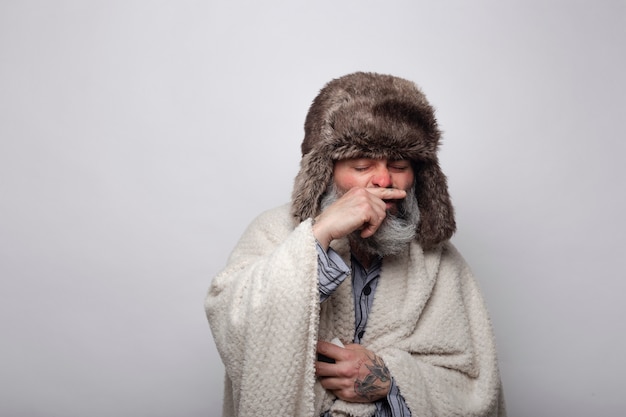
(139, 138)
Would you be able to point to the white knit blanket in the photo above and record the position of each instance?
(428, 323)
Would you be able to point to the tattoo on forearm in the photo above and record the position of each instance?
(369, 387)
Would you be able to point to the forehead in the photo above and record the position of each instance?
(367, 158)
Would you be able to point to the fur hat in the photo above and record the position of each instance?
(368, 115)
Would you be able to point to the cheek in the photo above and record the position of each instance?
(345, 180)
(407, 181)
(345, 184)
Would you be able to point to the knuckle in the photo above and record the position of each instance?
(344, 373)
(348, 395)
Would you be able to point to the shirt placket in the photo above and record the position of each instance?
(364, 283)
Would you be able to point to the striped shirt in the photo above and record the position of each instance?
(332, 271)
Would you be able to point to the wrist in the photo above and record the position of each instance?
(322, 237)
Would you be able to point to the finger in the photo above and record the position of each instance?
(331, 350)
(387, 193)
(325, 369)
(376, 220)
(369, 229)
(354, 346)
(334, 384)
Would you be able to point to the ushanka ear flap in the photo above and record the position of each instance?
(316, 170)
(436, 212)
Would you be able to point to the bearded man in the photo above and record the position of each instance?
(350, 300)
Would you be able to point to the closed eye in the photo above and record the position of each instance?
(399, 167)
(361, 165)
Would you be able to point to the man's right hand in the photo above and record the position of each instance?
(358, 209)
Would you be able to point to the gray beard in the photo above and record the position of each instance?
(393, 235)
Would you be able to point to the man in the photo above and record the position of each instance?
(350, 300)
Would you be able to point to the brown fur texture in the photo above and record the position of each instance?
(370, 115)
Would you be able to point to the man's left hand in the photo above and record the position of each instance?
(358, 374)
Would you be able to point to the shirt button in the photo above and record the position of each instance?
(367, 290)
